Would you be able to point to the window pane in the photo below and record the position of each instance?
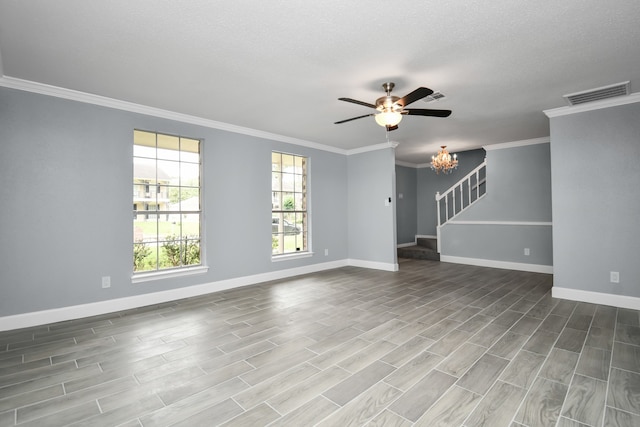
(298, 202)
(276, 162)
(167, 171)
(144, 139)
(287, 163)
(190, 150)
(298, 165)
(191, 251)
(288, 201)
(298, 183)
(168, 147)
(301, 221)
(289, 219)
(143, 151)
(290, 243)
(191, 226)
(144, 170)
(170, 254)
(276, 200)
(276, 181)
(276, 246)
(169, 225)
(145, 255)
(190, 199)
(190, 174)
(287, 182)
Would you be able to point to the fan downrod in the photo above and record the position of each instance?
(388, 102)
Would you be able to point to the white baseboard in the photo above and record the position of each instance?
(373, 265)
(43, 317)
(533, 268)
(405, 245)
(620, 301)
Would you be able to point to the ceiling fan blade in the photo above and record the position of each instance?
(353, 118)
(419, 93)
(355, 101)
(390, 128)
(426, 112)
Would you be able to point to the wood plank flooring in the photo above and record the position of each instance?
(434, 344)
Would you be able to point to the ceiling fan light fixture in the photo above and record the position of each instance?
(390, 108)
(388, 118)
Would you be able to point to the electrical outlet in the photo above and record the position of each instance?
(614, 277)
(326, 252)
(106, 281)
(527, 252)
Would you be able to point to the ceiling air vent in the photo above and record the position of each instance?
(598, 94)
(435, 96)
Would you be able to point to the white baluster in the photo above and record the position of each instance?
(454, 201)
(438, 206)
(446, 208)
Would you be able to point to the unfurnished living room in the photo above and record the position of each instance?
(455, 204)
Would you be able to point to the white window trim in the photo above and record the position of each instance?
(169, 274)
(294, 255)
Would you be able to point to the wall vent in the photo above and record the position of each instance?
(597, 94)
(435, 96)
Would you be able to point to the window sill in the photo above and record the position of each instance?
(157, 275)
(287, 257)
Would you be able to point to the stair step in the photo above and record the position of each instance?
(428, 242)
(418, 252)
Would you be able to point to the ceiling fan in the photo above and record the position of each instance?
(390, 109)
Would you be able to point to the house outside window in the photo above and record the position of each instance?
(289, 217)
(167, 214)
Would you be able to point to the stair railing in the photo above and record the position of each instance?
(461, 195)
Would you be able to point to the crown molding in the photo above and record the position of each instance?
(406, 164)
(365, 149)
(88, 98)
(595, 105)
(522, 143)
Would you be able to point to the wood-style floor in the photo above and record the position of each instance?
(434, 344)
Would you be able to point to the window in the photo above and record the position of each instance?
(166, 202)
(289, 221)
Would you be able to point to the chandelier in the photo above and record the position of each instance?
(443, 161)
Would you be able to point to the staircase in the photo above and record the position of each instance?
(460, 196)
(450, 204)
(425, 248)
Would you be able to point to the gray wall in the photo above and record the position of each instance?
(518, 186)
(429, 184)
(65, 216)
(372, 224)
(518, 190)
(503, 243)
(595, 160)
(407, 206)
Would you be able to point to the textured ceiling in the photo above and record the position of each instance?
(279, 66)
